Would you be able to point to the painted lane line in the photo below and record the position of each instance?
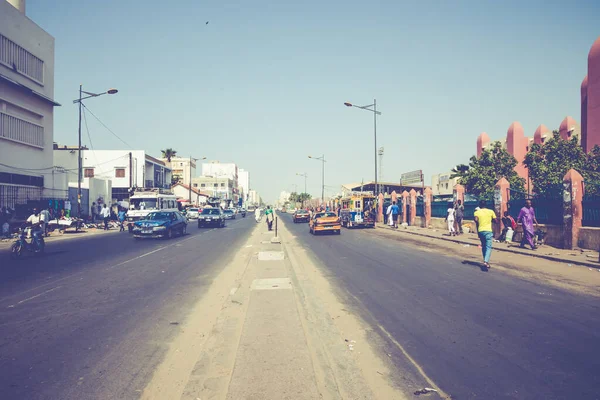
(34, 297)
(86, 271)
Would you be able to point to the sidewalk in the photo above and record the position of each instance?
(588, 258)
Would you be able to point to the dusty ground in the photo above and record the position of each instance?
(561, 275)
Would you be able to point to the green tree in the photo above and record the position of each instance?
(483, 172)
(169, 153)
(548, 164)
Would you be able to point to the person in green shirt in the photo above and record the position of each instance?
(484, 218)
(270, 217)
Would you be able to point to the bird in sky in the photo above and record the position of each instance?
(206, 22)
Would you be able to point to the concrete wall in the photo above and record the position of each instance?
(589, 238)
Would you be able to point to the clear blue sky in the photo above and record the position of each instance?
(263, 84)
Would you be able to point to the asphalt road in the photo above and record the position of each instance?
(91, 319)
(476, 334)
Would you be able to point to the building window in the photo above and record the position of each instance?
(202, 185)
(195, 185)
(88, 173)
(216, 185)
(181, 164)
(119, 172)
(19, 130)
(222, 185)
(17, 58)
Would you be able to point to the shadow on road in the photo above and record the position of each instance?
(482, 267)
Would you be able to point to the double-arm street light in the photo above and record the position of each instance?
(373, 109)
(79, 169)
(305, 175)
(190, 186)
(323, 161)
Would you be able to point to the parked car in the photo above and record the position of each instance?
(192, 213)
(301, 216)
(325, 222)
(229, 214)
(160, 224)
(211, 216)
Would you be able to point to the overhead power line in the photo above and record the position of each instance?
(107, 128)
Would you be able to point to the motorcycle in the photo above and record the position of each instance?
(36, 245)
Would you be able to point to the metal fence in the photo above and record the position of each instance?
(420, 207)
(547, 210)
(470, 207)
(591, 210)
(439, 209)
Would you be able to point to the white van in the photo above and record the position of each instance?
(143, 201)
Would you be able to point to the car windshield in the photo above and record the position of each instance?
(159, 216)
(301, 212)
(325, 215)
(210, 211)
(143, 204)
(228, 211)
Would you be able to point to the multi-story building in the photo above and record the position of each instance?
(227, 170)
(254, 198)
(218, 186)
(442, 184)
(26, 110)
(183, 169)
(126, 169)
(243, 183)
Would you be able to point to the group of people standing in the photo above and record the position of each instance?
(454, 218)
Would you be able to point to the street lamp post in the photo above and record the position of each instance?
(190, 185)
(323, 161)
(373, 109)
(79, 169)
(305, 175)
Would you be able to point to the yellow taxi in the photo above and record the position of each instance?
(325, 222)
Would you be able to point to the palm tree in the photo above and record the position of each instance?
(459, 171)
(169, 153)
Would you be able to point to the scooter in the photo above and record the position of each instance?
(21, 245)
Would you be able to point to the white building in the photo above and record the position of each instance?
(284, 197)
(222, 187)
(253, 198)
(216, 169)
(183, 192)
(244, 183)
(180, 167)
(26, 110)
(441, 184)
(126, 169)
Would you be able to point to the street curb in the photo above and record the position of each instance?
(532, 254)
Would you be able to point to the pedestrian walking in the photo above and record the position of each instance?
(105, 214)
(484, 218)
(122, 214)
(388, 212)
(270, 216)
(395, 213)
(527, 219)
(450, 220)
(44, 219)
(459, 214)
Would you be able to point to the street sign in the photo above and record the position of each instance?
(411, 177)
